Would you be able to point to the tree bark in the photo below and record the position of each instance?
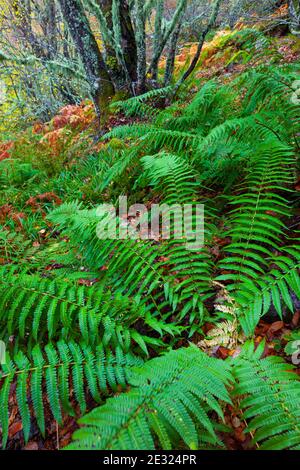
(172, 55)
(212, 20)
(23, 21)
(101, 85)
(49, 26)
(127, 42)
(234, 13)
(181, 6)
(157, 35)
(141, 47)
(294, 12)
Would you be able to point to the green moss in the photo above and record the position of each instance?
(116, 144)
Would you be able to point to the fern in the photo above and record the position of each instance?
(96, 370)
(177, 178)
(177, 182)
(256, 226)
(136, 267)
(137, 106)
(155, 136)
(232, 147)
(170, 395)
(270, 392)
(14, 247)
(274, 287)
(203, 113)
(36, 308)
(263, 87)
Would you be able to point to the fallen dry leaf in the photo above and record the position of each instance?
(31, 446)
(276, 326)
(15, 428)
(296, 318)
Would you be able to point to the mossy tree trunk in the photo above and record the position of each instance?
(214, 14)
(101, 85)
(157, 35)
(172, 55)
(141, 46)
(160, 40)
(125, 40)
(294, 11)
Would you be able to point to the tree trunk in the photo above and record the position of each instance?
(157, 35)
(212, 20)
(141, 47)
(102, 88)
(51, 28)
(181, 6)
(294, 11)
(127, 43)
(172, 55)
(128, 40)
(23, 21)
(234, 13)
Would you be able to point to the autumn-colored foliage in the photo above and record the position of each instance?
(4, 150)
(35, 202)
(8, 212)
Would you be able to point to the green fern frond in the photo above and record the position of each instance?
(170, 395)
(136, 267)
(273, 288)
(35, 308)
(270, 392)
(177, 177)
(137, 104)
(256, 226)
(154, 136)
(54, 366)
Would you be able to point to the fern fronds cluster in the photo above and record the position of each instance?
(137, 105)
(172, 399)
(51, 370)
(36, 308)
(257, 229)
(270, 392)
(169, 396)
(178, 164)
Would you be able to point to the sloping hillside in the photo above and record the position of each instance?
(87, 319)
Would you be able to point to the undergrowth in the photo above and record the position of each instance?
(84, 316)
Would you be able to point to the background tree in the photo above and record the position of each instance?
(66, 51)
(101, 85)
(203, 34)
(41, 67)
(294, 12)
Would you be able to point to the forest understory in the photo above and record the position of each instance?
(143, 343)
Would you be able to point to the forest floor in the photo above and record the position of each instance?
(57, 146)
